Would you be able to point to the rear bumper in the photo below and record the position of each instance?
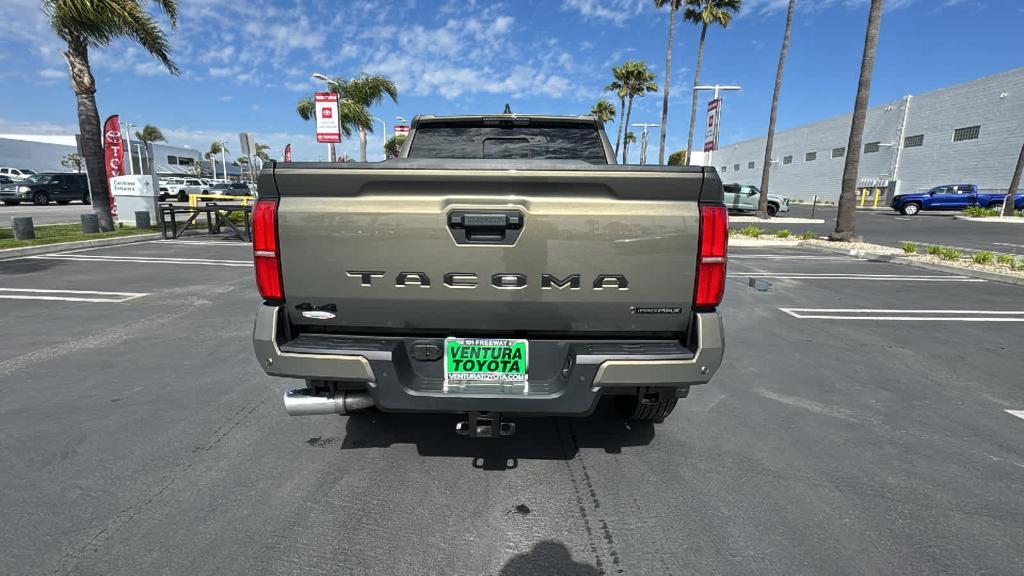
(566, 377)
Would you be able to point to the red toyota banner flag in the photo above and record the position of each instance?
(288, 153)
(113, 155)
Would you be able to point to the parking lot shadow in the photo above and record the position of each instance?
(536, 438)
(547, 558)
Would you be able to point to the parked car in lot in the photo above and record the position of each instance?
(16, 174)
(232, 189)
(181, 188)
(40, 189)
(744, 198)
(951, 197)
(5, 179)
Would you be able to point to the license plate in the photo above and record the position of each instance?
(488, 362)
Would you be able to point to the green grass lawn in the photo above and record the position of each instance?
(54, 233)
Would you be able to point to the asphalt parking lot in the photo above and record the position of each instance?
(890, 228)
(868, 419)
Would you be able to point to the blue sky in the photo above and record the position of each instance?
(245, 64)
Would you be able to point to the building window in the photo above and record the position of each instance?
(872, 147)
(839, 152)
(735, 167)
(750, 165)
(913, 141)
(810, 157)
(787, 159)
(725, 168)
(968, 133)
(172, 159)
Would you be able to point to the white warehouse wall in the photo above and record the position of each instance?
(996, 103)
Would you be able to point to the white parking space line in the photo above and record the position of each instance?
(790, 257)
(68, 295)
(206, 243)
(1008, 244)
(960, 248)
(1017, 413)
(144, 260)
(850, 276)
(896, 314)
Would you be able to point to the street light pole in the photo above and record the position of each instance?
(643, 139)
(128, 133)
(716, 88)
(384, 124)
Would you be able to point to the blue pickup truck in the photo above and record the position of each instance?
(951, 197)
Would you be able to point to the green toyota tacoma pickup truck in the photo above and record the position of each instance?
(503, 266)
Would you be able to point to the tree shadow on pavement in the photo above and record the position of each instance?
(547, 558)
(536, 438)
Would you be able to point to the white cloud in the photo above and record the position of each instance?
(615, 11)
(150, 68)
(52, 73)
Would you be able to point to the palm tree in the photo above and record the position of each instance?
(846, 219)
(84, 25)
(629, 138)
(619, 88)
(393, 146)
(603, 110)
(674, 6)
(638, 81)
(705, 13)
(149, 134)
(261, 152)
(1011, 194)
(762, 203)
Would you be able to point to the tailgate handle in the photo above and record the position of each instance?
(485, 227)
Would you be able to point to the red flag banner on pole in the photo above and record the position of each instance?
(288, 153)
(113, 155)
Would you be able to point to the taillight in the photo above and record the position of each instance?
(714, 238)
(265, 254)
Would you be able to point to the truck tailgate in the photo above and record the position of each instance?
(521, 248)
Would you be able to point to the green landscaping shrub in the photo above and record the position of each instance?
(808, 235)
(935, 250)
(950, 254)
(983, 257)
(1017, 264)
(909, 247)
(752, 231)
(1018, 213)
(979, 212)
(1005, 259)
(783, 233)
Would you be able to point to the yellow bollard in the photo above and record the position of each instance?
(863, 197)
(878, 194)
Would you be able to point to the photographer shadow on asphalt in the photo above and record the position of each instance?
(434, 435)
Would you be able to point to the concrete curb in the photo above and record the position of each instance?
(11, 253)
(993, 219)
(899, 259)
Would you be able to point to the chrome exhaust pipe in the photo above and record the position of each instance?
(302, 402)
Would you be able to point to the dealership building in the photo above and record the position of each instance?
(966, 133)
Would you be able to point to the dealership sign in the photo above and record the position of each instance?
(711, 130)
(401, 130)
(328, 129)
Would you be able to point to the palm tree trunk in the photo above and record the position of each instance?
(696, 81)
(1011, 194)
(762, 203)
(846, 220)
(331, 155)
(362, 145)
(84, 86)
(668, 74)
(625, 145)
(622, 112)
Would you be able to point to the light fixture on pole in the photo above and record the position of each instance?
(643, 139)
(716, 88)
